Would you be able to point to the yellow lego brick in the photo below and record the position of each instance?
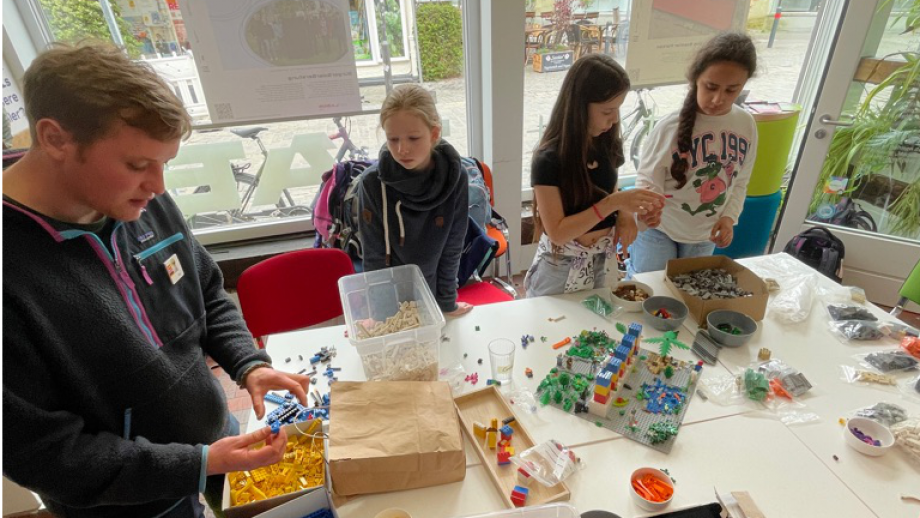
(479, 430)
(602, 390)
(490, 437)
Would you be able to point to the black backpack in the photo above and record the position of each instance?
(819, 248)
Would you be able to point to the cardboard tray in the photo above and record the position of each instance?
(482, 405)
(754, 306)
(257, 508)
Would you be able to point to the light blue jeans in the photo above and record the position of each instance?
(652, 250)
(548, 273)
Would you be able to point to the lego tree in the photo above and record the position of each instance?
(666, 342)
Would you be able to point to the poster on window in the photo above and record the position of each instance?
(664, 35)
(266, 59)
(15, 125)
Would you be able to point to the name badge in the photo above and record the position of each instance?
(174, 268)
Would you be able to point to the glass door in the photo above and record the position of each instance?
(859, 168)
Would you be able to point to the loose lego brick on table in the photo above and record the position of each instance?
(479, 430)
(503, 458)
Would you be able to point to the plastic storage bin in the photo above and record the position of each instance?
(372, 297)
(540, 511)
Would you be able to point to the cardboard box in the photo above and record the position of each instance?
(314, 500)
(393, 435)
(754, 306)
(257, 508)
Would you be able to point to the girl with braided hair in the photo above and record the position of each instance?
(700, 158)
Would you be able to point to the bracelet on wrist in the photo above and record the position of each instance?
(598, 212)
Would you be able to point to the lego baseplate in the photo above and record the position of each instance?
(648, 407)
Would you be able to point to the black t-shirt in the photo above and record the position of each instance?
(546, 170)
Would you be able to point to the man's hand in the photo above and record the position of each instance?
(263, 379)
(235, 453)
(722, 232)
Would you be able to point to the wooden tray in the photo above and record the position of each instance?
(482, 405)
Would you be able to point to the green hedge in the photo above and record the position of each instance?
(440, 39)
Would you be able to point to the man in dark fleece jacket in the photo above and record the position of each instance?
(416, 217)
(110, 306)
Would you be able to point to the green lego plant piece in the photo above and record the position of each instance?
(621, 328)
(598, 424)
(544, 399)
(669, 372)
(564, 379)
(557, 397)
(567, 406)
(622, 412)
(666, 342)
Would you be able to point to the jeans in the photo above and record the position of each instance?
(653, 249)
(547, 275)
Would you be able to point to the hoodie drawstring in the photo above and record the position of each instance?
(402, 228)
(386, 225)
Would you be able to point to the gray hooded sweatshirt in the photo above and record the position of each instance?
(412, 217)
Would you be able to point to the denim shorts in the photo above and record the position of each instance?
(548, 273)
(652, 250)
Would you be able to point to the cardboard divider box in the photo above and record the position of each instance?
(754, 306)
(305, 504)
(257, 508)
(393, 435)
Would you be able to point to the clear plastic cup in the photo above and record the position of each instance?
(501, 355)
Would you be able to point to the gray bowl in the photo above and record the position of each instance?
(676, 308)
(733, 318)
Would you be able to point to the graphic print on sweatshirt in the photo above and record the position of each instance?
(714, 171)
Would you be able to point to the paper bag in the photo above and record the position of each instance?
(393, 435)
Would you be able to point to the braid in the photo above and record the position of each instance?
(680, 164)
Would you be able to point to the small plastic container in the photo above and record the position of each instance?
(871, 428)
(677, 309)
(641, 501)
(630, 306)
(745, 325)
(407, 354)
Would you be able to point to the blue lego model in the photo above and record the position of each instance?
(635, 329)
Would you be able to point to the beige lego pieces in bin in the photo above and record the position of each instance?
(405, 319)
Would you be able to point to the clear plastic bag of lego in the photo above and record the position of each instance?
(864, 377)
(838, 294)
(549, 462)
(887, 361)
(793, 303)
(723, 390)
(907, 437)
(857, 330)
(842, 312)
(454, 375)
(787, 410)
(911, 345)
(910, 388)
(887, 414)
(601, 306)
(523, 399)
(783, 378)
(898, 331)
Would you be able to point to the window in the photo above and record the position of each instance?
(154, 31)
(609, 20)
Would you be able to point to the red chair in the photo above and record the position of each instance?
(293, 290)
(477, 292)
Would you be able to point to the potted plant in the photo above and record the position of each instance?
(882, 147)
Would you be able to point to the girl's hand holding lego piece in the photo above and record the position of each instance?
(723, 232)
(260, 381)
(639, 201)
(235, 453)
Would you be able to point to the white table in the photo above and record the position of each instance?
(789, 471)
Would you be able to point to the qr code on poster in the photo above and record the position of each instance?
(224, 111)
